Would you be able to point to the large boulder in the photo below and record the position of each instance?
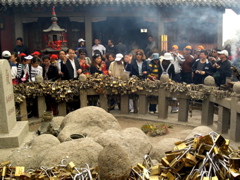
(90, 121)
(31, 155)
(133, 140)
(79, 151)
(114, 163)
(204, 130)
(159, 149)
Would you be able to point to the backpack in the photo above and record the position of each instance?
(165, 73)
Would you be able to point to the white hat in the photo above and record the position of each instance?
(6, 54)
(28, 57)
(81, 40)
(119, 56)
(167, 56)
(225, 52)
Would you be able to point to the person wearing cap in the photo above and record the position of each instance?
(110, 49)
(222, 69)
(116, 68)
(167, 68)
(201, 68)
(177, 60)
(70, 66)
(187, 65)
(26, 61)
(20, 47)
(53, 59)
(6, 55)
(138, 66)
(98, 47)
(153, 75)
(81, 45)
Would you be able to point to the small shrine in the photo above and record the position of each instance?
(55, 37)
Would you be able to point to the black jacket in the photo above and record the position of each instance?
(52, 73)
(133, 68)
(67, 69)
(198, 78)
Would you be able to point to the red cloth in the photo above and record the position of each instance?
(54, 56)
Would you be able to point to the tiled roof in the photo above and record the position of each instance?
(208, 3)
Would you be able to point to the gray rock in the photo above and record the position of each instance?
(183, 134)
(31, 156)
(114, 163)
(204, 130)
(79, 151)
(133, 140)
(159, 149)
(90, 121)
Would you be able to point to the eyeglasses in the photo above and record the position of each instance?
(139, 54)
(82, 54)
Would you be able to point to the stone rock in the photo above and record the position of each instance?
(79, 151)
(164, 78)
(58, 120)
(31, 155)
(82, 77)
(204, 130)
(90, 121)
(158, 150)
(183, 134)
(236, 87)
(114, 163)
(209, 81)
(133, 140)
(39, 78)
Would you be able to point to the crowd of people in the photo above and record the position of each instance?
(181, 65)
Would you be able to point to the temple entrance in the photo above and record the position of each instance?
(126, 28)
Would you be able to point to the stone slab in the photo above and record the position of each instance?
(16, 136)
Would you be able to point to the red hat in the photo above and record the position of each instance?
(36, 53)
(22, 54)
(54, 56)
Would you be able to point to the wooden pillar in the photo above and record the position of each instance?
(125, 104)
(234, 131)
(207, 112)
(23, 110)
(183, 109)
(18, 26)
(143, 104)
(223, 119)
(83, 98)
(103, 102)
(62, 108)
(41, 105)
(162, 104)
(88, 31)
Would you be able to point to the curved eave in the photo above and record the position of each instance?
(206, 3)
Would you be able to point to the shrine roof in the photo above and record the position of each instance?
(234, 4)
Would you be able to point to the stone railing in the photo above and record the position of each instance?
(228, 108)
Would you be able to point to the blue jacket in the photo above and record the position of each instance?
(133, 68)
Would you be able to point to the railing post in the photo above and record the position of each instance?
(162, 104)
(207, 112)
(83, 98)
(223, 119)
(23, 110)
(143, 104)
(183, 109)
(62, 108)
(235, 120)
(103, 101)
(125, 104)
(41, 105)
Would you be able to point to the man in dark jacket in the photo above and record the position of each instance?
(71, 67)
(222, 69)
(20, 47)
(50, 72)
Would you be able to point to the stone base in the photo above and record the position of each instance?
(16, 136)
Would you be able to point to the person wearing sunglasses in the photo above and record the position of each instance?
(138, 66)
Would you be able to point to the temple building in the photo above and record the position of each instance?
(183, 21)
